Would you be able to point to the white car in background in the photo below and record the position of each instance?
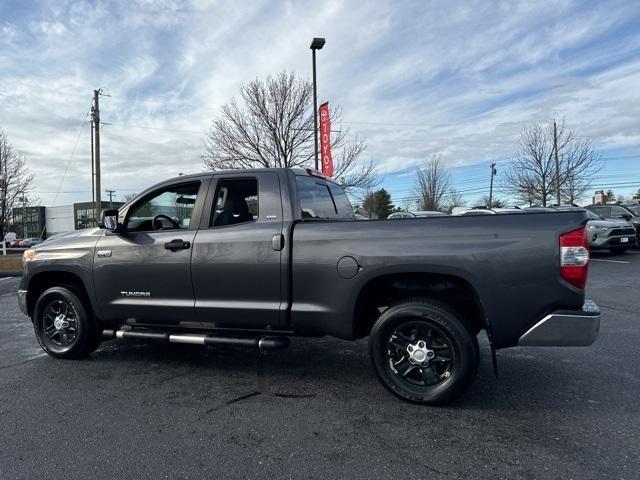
(476, 211)
(418, 214)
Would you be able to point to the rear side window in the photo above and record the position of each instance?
(319, 199)
(236, 202)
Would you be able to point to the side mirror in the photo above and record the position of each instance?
(109, 220)
(626, 216)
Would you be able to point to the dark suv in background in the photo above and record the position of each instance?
(630, 213)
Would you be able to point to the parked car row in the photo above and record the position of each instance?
(610, 227)
(23, 243)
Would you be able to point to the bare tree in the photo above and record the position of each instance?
(129, 196)
(574, 189)
(432, 185)
(454, 199)
(532, 173)
(495, 202)
(272, 126)
(15, 179)
(527, 192)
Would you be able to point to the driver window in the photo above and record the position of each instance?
(168, 209)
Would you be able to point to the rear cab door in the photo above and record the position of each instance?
(237, 263)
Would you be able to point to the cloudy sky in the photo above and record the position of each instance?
(458, 79)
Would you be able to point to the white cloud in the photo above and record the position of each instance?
(459, 78)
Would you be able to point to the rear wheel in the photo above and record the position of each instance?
(423, 352)
(62, 324)
(618, 250)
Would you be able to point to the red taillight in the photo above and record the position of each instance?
(574, 257)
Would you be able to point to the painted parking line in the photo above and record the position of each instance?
(4, 278)
(610, 261)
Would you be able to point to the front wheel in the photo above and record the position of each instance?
(62, 324)
(423, 352)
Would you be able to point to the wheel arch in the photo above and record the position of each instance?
(44, 280)
(386, 289)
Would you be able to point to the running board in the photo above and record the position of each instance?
(263, 343)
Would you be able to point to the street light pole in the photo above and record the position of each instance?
(316, 44)
(2, 212)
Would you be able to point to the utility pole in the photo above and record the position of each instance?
(555, 150)
(110, 193)
(93, 172)
(95, 117)
(24, 216)
(493, 173)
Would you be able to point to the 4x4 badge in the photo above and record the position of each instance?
(104, 253)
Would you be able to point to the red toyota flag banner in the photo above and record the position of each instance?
(325, 140)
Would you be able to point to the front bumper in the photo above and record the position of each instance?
(565, 328)
(615, 241)
(22, 301)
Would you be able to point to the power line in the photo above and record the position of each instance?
(123, 125)
(439, 125)
(73, 152)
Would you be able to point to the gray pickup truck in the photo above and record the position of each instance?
(252, 258)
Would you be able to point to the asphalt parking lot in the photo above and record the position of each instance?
(143, 410)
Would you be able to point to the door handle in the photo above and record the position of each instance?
(177, 244)
(277, 242)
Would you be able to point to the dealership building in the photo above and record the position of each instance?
(47, 221)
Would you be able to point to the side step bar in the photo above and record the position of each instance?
(263, 343)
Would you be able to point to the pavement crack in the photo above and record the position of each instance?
(4, 367)
(294, 395)
(241, 398)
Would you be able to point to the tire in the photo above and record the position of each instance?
(438, 332)
(63, 325)
(618, 250)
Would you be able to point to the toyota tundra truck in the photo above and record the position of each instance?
(255, 257)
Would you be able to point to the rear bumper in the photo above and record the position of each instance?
(22, 301)
(565, 328)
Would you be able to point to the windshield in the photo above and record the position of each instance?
(593, 216)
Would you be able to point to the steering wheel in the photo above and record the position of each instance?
(157, 224)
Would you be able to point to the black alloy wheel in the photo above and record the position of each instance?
(60, 324)
(423, 351)
(63, 325)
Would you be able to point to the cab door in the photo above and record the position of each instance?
(143, 275)
(237, 253)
